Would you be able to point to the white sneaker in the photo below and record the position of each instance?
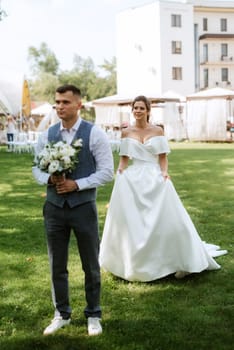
(57, 323)
(181, 274)
(94, 326)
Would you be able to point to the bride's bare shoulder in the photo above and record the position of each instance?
(157, 130)
(126, 132)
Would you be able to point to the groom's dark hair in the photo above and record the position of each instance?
(68, 87)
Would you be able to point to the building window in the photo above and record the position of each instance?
(224, 51)
(176, 73)
(205, 52)
(223, 24)
(224, 74)
(206, 77)
(205, 24)
(176, 47)
(176, 20)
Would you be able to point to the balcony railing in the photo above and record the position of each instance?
(217, 60)
(226, 58)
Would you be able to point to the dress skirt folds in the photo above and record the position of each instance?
(148, 233)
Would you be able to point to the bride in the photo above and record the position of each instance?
(148, 233)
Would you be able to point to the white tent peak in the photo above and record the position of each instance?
(174, 95)
(119, 99)
(212, 93)
(10, 95)
(44, 109)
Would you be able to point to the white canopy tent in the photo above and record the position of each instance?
(49, 119)
(10, 97)
(44, 109)
(207, 114)
(112, 110)
(170, 94)
(116, 110)
(174, 116)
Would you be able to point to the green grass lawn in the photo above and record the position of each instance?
(195, 313)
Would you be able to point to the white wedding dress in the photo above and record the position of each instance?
(148, 233)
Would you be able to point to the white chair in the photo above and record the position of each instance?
(20, 144)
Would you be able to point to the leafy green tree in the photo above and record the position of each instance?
(43, 88)
(106, 85)
(82, 74)
(43, 60)
(92, 85)
(47, 77)
(110, 69)
(2, 13)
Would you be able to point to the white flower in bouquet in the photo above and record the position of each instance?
(67, 162)
(66, 151)
(77, 143)
(60, 157)
(54, 167)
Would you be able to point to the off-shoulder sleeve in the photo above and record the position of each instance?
(126, 147)
(134, 149)
(159, 145)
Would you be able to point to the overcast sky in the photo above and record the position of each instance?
(83, 27)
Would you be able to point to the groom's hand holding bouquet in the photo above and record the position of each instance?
(59, 159)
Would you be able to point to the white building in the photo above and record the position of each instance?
(184, 46)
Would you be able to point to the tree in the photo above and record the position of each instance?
(2, 13)
(43, 88)
(110, 67)
(43, 60)
(83, 74)
(109, 81)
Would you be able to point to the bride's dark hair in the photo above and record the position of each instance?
(146, 101)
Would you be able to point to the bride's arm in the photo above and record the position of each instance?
(163, 162)
(123, 163)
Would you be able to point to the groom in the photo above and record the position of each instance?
(71, 205)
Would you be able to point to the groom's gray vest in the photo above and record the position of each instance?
(86, 166)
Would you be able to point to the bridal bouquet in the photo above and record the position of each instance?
(59, 158)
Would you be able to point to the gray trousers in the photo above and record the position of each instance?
(59, 222)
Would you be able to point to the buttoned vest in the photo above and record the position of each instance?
(86, 166)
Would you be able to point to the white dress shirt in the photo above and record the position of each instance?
(100, 149)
